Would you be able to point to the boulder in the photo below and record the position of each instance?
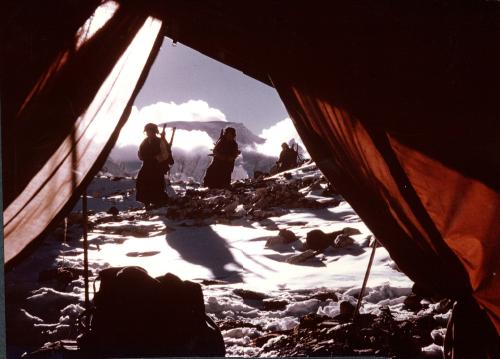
(349, 231)
(249, 294)
(113, 211)
(302, 257)
(318, 240)
(412, 302)
(325, 295)
(274, 241)
(346, 311)
(274, 304)
(231, 207)
(343, 241)
(287, 235)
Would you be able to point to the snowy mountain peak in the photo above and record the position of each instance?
(213, 129)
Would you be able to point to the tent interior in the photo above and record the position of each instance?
(395, 101)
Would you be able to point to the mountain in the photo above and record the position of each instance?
(193, 163)
(213, 128)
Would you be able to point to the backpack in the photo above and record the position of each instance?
(134, 314)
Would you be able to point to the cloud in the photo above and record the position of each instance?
(194, 140)
(132, 134)
(283, 131)
(161, 112)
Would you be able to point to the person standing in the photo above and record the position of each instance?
(287, 159)
(219, 172)
(150, 184)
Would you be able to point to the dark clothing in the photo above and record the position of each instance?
(287, 160)
(150, 184)
(219, 172)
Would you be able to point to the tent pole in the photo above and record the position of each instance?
(85, 249)
(367, 274)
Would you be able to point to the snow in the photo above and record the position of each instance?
(232, 251)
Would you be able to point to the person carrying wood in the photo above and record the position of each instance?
(219, 172)
(150, 184)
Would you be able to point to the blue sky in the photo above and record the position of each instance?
(180, 74)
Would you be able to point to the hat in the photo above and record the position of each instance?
(151, 127)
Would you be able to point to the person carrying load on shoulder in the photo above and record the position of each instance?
(150, 184)
(287, 159)
(225, 152)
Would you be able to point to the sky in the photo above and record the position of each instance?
(185, 85)
(181, 74)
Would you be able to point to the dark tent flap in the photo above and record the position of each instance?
(71, 118)
(440, 227)
(466, 212)
(396, 102)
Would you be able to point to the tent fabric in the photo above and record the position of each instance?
(425, 214)
(66, 123)
(395, 101)
(396, 104)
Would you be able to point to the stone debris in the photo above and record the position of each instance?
(325, 295)
(287, 235)
(275, 241)
(113, 211)
(343, 241)
(62, 274)
(248, 294)
(274, 304)
(318, 240)
(371, 335)
(257, 198)
(302, 257)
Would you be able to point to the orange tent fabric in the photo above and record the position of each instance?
(59, 128)
(395, 101)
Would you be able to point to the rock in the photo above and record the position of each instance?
(260, 341)
(287, 235)
(260, 174)
(61, 274)
(274, 241)
(260, 192)
(240, 211)
(325, 295)
(412, 302)
(231, 207)
(343, 241)
(258, 213)
(349, 231)
(287, 175)
(113, 211)
(227, 324)
(346, 309)
(212, 282)
(438, 335)
(249, 294)
(317, 240)
(302, 257)
(274, 304)
(311, 321)
(366, 241)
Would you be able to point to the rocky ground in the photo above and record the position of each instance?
(275, 238)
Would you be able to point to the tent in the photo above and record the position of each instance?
(395, 101)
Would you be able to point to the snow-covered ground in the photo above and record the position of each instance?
(240, 250)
